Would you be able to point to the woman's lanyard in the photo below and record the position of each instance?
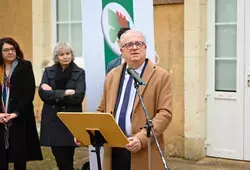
(5, 100)
(5, 95)
(6, 87)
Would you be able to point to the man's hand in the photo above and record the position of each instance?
(77, 142)
(46, 87)
(69, 92)
(134, 144)
(10, 116)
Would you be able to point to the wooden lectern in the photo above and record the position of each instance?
(94, 129)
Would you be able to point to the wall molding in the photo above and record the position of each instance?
(162, 2)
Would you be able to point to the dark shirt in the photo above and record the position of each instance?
(114, 63)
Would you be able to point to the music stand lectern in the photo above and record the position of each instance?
(94, 129)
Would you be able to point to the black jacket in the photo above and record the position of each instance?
(23, 137)
(53, 130)
(114, 63)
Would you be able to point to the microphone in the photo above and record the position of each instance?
(135, 76)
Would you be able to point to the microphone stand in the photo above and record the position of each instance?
(150, 130)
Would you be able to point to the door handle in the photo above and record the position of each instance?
(248, 80)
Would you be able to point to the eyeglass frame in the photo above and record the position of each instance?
(134, 44)
(7, 50)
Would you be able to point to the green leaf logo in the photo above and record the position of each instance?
(114, 17)
(116, 20)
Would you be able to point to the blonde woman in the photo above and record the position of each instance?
(62, 90)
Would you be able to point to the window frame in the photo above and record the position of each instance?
(210, 54)
(215, 59)
(79, 60)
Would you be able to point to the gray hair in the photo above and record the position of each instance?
(128, 31)
(58, 47)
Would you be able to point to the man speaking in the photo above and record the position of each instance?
(120, 99)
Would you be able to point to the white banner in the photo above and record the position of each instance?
(101, 22)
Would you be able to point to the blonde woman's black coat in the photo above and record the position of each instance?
(53, 130)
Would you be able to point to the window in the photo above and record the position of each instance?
(225, 45)
(69, 25)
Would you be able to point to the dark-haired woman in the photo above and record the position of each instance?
(19, 140)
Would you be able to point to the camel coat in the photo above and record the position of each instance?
(157, 97)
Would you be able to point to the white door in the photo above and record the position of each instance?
(247, 83)
(225, 78)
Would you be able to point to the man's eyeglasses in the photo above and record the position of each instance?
(130, 45)
(6, 50)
